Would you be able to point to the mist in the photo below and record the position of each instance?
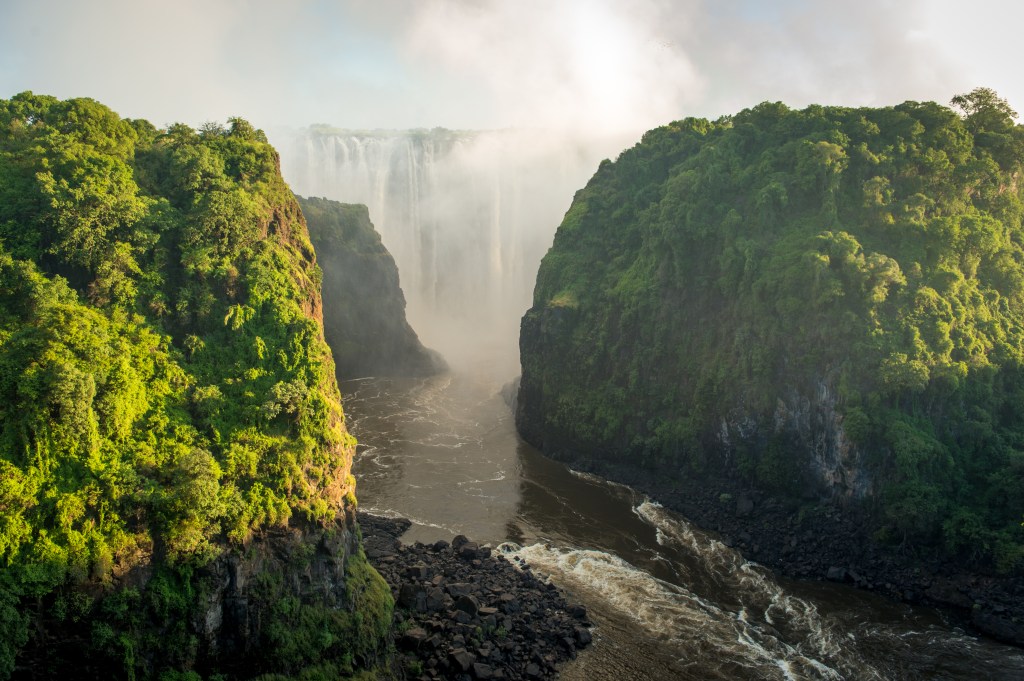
(467, 216)
(560, 86)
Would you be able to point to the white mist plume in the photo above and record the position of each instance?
(590, 65)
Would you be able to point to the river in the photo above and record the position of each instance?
(669, 601)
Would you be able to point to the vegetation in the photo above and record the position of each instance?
(874, 256)
(368, 334)
(165, 389)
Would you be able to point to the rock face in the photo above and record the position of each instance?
(796, 301)
(364, 308)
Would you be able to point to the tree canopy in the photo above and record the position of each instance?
(165, 389)
(872, 259)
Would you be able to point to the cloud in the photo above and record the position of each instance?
(587, 65)
(582, 64)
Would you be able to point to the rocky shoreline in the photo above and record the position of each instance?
(463, 612)
(818, 542)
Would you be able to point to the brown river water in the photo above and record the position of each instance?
(669, 601)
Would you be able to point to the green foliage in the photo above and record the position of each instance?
(164, 387)
(719, 267)
(301, 636)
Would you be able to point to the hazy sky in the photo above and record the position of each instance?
(619, 65)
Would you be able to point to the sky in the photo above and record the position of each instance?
(599, 66)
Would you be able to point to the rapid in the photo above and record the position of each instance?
(670, 601)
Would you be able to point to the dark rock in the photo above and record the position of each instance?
(458, 589)
(413, 638)
(583, 636)
(468, 604)
(418, 571)
(412, 597)
(435, 600)
(836, 574)
(462, 659)
(484, 600)
(744, 506)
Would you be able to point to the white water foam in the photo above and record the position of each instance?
(669, 612)
(807, 637)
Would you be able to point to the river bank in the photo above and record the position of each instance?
(463, 611)
(815, 541)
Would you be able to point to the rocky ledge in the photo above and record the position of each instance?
(463, 612)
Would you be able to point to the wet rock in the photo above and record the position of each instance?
(583, 636)
(836, 574)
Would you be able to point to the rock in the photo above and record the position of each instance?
(583, 636)
(435, 600)
(418, 571)
(412, 597)
(836, 574)
(458, 589)
(413, 638)
(462, 659)
(468, 550)
(484, 607)
(533, 671)
(459, 540)
(468, 604)
(744, 506)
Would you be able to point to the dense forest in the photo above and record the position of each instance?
(166, 398)
(826, 302)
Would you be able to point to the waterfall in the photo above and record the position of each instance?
(467, 216)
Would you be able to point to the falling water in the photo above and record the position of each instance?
(466, 215)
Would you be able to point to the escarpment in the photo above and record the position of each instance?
(824, 305)
(175, 475)
(364, 314)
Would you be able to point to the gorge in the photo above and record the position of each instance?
(442, 452)
(178, 487)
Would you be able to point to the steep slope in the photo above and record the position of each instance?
(826, 304)
(176, 492)
(367, 332)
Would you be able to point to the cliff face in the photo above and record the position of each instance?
(176, 473)
(364, 313)
(825, 304)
